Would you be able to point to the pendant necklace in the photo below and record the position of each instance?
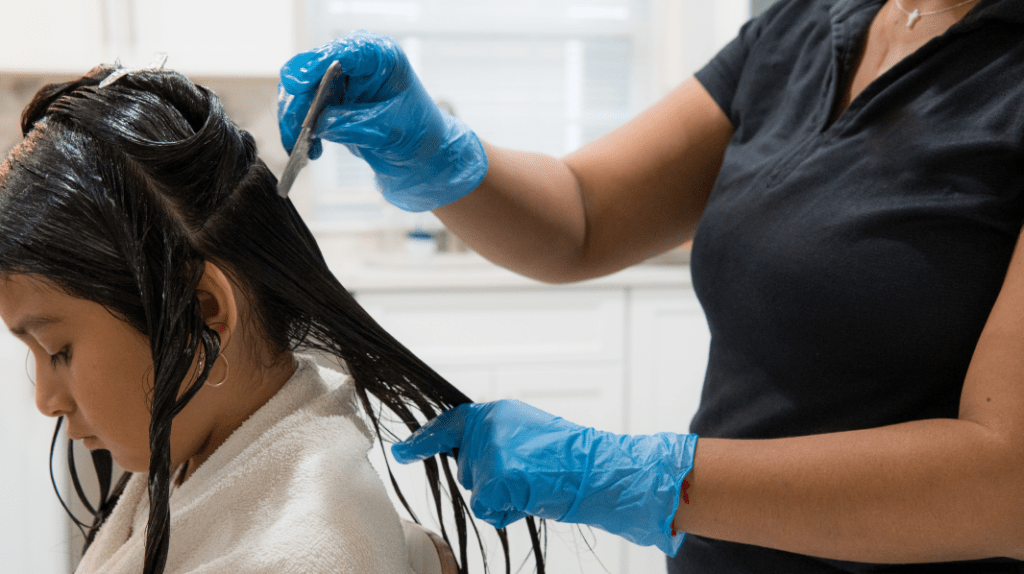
(913, 17)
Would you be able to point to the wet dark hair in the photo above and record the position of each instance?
(119, 195)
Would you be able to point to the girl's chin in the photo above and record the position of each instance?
(127, 463)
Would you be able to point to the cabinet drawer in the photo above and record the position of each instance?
(586, 394)
(490, 327)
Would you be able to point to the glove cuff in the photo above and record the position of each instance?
(670, 460)
(678, 467)
(630, 486)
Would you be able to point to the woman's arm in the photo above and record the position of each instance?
(924, 491)
(627, 196)
(633, 193)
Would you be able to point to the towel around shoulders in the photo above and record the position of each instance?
(291, 490)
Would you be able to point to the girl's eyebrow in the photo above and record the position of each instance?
(33, 322)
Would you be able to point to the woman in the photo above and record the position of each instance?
(850, 172)
(163, 288)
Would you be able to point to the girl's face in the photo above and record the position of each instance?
(92, 368)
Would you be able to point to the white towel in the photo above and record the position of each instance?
(291, 490)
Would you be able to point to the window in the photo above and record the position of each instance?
(538, 75)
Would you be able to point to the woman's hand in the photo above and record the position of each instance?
(423, 158)
(519, 460)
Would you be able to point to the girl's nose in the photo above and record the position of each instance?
(52, 398)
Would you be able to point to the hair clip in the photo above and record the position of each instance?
(159, 59)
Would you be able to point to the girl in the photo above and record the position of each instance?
(157, 278)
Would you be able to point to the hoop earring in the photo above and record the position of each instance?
(227, 371)
(31, 377)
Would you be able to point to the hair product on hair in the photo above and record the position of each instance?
(120, 195)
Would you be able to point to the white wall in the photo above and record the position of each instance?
(692, 32)
(32, 522)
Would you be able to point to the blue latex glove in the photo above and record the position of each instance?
(423, 157)
(519, 460)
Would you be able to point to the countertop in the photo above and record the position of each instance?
(469, 271)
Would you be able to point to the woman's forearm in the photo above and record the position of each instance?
(631, 194)
(527, 215)
(924, 491)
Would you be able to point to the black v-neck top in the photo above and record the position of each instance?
(847, 268)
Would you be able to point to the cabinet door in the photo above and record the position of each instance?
(589, 394)
(668, 340)
(216, 37)
(52, 36)
(560, 350)
(504, 327)
(201, 37)
(668, 356)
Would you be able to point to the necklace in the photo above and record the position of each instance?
(913, 17)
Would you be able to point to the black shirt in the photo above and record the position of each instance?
(847, 267)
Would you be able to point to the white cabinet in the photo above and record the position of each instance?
(551, 348)
(59, 36)
(201, 37)
(622, 359)
(217, 37)
(668, 355)
(560, 350)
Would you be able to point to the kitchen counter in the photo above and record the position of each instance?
(465, 271)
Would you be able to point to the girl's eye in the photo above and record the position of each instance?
(62, 356)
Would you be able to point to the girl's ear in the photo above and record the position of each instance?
(217, 300)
